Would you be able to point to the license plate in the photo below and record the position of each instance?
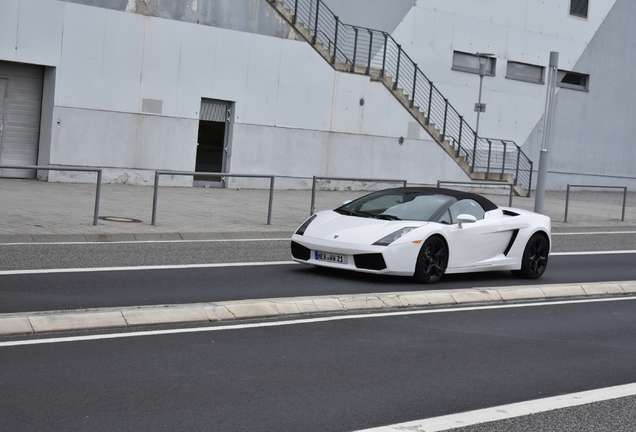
(323, 256)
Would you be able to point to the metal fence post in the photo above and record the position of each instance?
(313, 40)
(386, 41)
(154, 199)
(503, 164)
(397, 68)
(355, 49)
(295, 12)
(98, 193)
(368, 71)
(530, 181)
(472, 167)
(510, 199)
(488, 163)
(517, 170)
(445, 115)
(271, 200)
(567, 199)
(459, 142)
(335, 42)
(430, 99)
(624, 204)
(412, 103)
(313, 197)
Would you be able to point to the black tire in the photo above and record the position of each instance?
(535, 258)
(431, 261)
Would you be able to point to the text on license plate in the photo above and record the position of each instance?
(323, 256)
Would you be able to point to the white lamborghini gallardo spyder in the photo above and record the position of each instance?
(426, 233)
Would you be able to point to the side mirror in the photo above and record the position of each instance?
(465, 218)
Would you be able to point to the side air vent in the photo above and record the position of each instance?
(512, 241)
(299, 251)
(510, 213)
(372, 261)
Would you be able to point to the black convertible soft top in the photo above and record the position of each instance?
(458, 195)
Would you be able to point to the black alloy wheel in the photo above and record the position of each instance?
(432, 260)
(535, 258)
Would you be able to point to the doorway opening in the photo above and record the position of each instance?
(213, 141)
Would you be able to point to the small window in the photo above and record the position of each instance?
(466, 206)
(525, 72)
(466, 62)
(573, 80)
(578, 8)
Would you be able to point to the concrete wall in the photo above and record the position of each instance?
(383, 15)
(107, 64)
(592, 134)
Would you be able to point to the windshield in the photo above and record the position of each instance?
(396, 205)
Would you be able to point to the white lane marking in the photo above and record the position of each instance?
(503, 412)
(240, 264)
(610, 252)
(302, 321)
(135, 268)
(143, 241)
(592, 233)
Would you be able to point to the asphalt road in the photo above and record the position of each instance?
(340, 375)
(91, 255)
(91, 289)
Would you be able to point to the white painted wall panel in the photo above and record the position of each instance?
(40, 32)
(294, 101)
(9, 19)
(160, 70)
(230, 77)
(121, 67)
(196, 69)
(262, 89)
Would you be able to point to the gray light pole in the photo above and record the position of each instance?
(479, 108)
(545, 136)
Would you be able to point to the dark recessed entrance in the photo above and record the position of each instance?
(212, 141)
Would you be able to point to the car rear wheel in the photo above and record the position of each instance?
(432, 260)
(535, 258)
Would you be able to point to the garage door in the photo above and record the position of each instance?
(20, 111)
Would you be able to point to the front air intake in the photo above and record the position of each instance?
(372, 261)
(300, 252)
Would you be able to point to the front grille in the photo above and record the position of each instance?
(299, 251)
(372, 261)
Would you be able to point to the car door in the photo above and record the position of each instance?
(474, 244)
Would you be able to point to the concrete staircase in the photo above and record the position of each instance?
(418, 114)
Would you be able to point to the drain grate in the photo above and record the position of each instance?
(118, 219)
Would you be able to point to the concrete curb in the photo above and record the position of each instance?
(31, 323)
(232, 235)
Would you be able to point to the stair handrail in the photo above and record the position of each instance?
(357, 47)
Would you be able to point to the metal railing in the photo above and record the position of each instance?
(477, 184)
(567, 197)
(204, 174)
(67, 168)
(375, 52)
(312, 208)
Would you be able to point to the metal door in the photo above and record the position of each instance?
(215, 121)
(21, 105)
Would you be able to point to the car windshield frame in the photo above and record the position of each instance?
(399, 204)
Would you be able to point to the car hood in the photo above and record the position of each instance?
(333, 226)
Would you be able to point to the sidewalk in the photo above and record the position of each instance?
(33, 211)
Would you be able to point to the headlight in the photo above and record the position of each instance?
(385, 241)
(301, 229)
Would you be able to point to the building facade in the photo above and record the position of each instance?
(231, 86)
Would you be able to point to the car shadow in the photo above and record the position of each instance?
(379, 281)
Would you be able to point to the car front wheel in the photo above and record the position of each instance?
(432, 260)
(535, 258)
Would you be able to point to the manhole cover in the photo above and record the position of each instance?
(118, 219)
